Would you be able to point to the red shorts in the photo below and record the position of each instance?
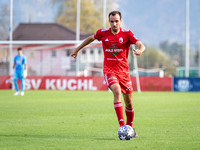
(123, 80)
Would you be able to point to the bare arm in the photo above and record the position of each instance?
(87, 41)
(141, 48)
(24, 66)
(14, 65)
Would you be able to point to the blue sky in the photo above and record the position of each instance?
(36, 10)
(152, 21)
(159, 20)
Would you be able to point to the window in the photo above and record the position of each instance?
(92, 51)
(68, 52)
(83, 51)
(99, 51)
(53, 53)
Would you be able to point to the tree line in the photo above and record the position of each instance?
(167, 55)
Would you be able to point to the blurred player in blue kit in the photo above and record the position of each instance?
(20, 71)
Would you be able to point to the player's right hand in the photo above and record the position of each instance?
(74, 53)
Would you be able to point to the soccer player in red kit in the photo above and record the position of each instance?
(116, 42)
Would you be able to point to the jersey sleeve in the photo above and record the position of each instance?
(98, 35)
(132, 37)
(15, 59)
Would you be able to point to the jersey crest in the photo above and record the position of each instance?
(121, 40)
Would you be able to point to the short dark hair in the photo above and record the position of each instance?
(113, 13)
(19, 49)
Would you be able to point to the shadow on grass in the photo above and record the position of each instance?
(104, 139)
(59, 137)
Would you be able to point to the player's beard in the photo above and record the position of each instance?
(115, 30)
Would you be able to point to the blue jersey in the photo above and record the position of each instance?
(19, 60)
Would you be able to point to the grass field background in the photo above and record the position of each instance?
(84, 120)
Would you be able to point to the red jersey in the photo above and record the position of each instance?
(116, 49)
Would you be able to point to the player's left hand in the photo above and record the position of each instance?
(137, 52)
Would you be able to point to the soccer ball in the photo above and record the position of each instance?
(126, 132)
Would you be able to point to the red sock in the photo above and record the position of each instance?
(130, 116)
(119, 111)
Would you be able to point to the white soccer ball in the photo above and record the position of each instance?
(126, 132)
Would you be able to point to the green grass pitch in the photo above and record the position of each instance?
(85, 120)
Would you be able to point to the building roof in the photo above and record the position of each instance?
(45, 31)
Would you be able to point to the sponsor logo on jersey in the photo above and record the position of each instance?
(114, 50)
(19, 62)
(120, 59)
